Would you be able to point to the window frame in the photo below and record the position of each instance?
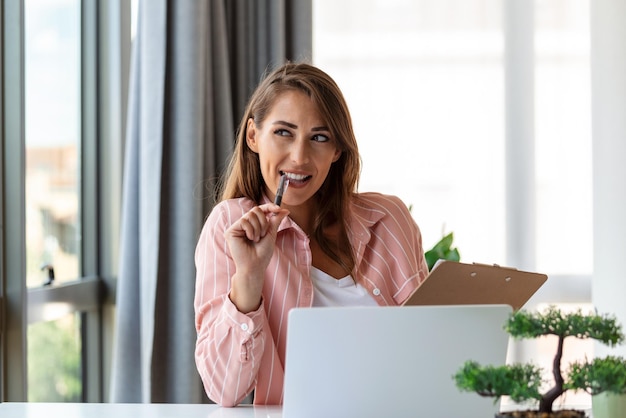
(13, 263)
(105, 57)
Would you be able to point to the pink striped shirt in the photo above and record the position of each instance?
(236, 352)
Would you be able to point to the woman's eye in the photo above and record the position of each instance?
(320, 138)
(282, 132)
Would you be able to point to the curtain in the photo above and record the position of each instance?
(194, 64)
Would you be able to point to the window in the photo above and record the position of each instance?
(64, 69)
(52, 48)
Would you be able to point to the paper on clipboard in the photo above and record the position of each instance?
(454, 283)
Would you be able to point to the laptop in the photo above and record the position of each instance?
(389, 361)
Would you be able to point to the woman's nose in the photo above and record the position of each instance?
(300, 151)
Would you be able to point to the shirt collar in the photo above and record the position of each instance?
(362, 217)
(287, 222)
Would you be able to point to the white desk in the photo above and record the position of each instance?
(110, 410)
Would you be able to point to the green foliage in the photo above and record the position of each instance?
(520, 381)
(604, 328)
(54, 362)
(606, 374)
(442, 251)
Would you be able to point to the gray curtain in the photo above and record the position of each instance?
(194, 64)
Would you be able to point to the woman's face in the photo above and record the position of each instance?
(293, 139)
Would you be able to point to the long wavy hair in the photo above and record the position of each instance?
(243, 178)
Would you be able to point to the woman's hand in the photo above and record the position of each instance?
(251, 240)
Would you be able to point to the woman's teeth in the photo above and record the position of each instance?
(296, 177)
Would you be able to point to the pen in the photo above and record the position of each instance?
(282, 187)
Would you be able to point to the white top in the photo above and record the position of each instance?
(328, 291)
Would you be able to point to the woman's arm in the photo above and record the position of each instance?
(230, 342)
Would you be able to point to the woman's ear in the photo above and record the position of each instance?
(337, 155)
(251, 136)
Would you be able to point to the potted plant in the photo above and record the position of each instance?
(522, 382)
(605, 380)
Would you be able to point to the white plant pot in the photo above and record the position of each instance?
(608, 405)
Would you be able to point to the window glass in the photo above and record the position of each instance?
(54, 367)
(52, 181)
(52, 113)
(563, 137)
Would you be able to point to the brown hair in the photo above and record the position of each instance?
(243, 175)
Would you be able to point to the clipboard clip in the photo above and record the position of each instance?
(494, 265)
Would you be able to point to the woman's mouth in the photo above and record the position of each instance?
(296, 179)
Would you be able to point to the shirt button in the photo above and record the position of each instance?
(244, 327)
(376, 292)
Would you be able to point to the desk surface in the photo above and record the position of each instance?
(110, 410)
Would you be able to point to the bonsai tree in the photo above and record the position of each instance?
(600, 375)
(522, 382)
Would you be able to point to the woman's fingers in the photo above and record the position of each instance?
(255, 224)
(252, 228)
(276, 218)
(251, 240)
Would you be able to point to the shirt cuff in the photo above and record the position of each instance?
(250, 323)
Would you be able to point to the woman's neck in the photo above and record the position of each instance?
(304, 216)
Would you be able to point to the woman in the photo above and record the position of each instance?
(327, 245)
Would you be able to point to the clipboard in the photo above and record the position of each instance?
(454, 283)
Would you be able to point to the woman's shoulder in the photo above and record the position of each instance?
(377, 207)
(380, 202)
(231, 209)
(388, 215)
